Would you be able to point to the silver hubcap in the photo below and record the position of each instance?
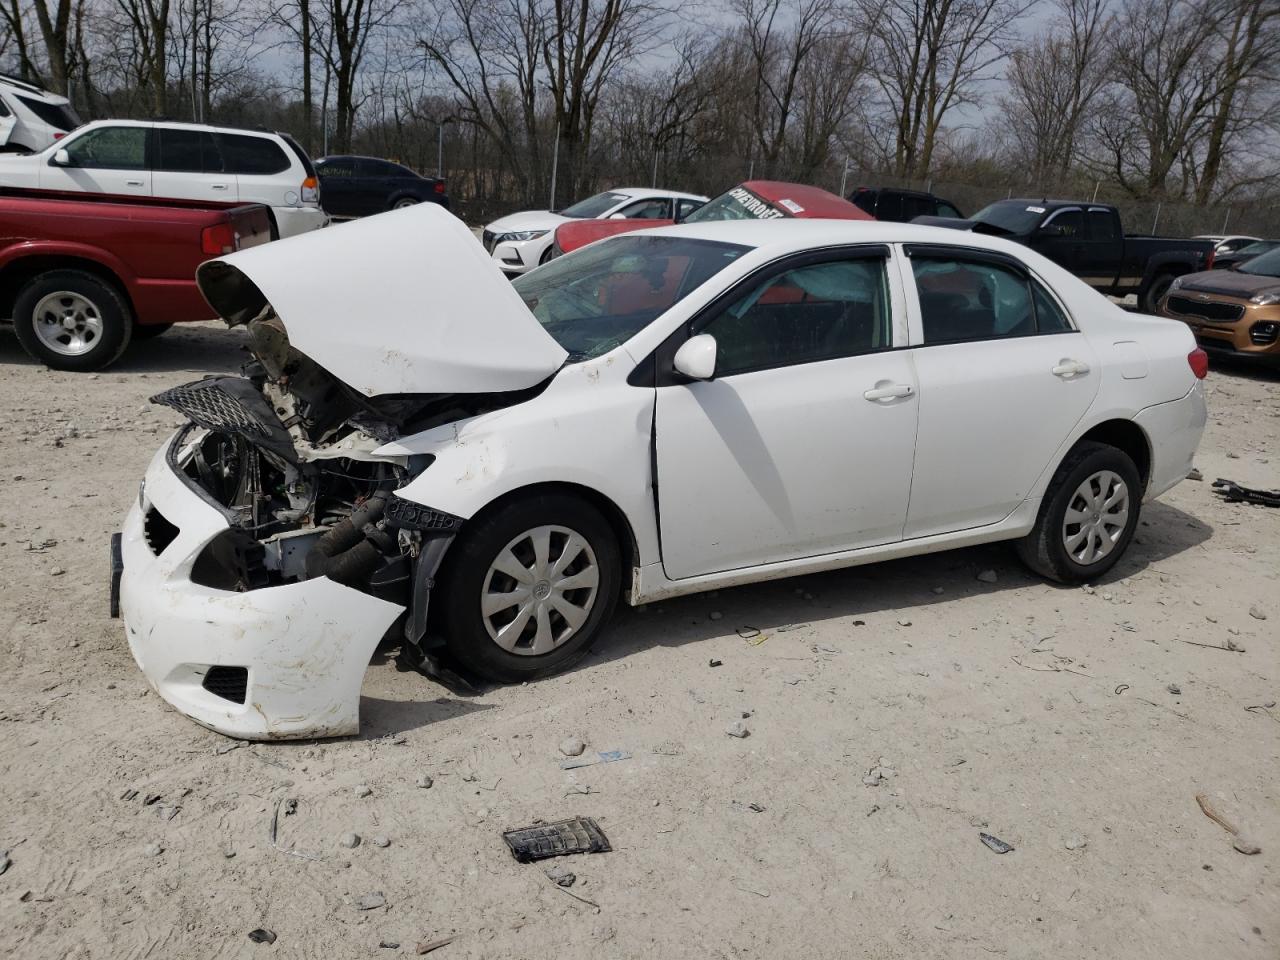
(1096, 517)
(68, 323)
(539, 590)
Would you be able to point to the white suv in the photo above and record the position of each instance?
(32, 118)
(182, 161)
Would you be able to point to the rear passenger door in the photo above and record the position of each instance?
(1004, 378)
(186, 165)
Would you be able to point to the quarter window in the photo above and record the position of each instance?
(964, 300)
(110, 148)
(251, 155)
(818, 312)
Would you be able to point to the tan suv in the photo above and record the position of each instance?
(1233, 313)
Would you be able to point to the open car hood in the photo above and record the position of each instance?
(402, 302)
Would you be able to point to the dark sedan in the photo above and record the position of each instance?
(1229, 261)
(359, 186)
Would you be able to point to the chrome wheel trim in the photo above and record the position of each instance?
(404, 202)
(67, 323)
(1096, 517)
(539, 590)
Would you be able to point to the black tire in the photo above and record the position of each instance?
(149, 331)
(108, 305)
(401, 202)
(466, 572)
(1044, 549)
(546, 255)
(1155, 292)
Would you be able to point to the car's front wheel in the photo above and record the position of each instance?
(527, 589)
(1088, 515)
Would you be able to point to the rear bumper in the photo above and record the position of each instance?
(295, 220)
(303, 647)
(1174, 429)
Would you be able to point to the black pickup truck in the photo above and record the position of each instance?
(1086, 239)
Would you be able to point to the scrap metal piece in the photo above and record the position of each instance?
(994, 843)
(608, 756)
(1232, 492)
(559, 839)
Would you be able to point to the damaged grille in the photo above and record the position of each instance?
(231, 405)
(1209, 310)
(229, 683)
(158, 531)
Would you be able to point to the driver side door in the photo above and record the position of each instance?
(114, 159)
(802, 442)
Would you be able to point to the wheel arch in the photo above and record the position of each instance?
(20, 271)
(619, 523)
(1126, 436)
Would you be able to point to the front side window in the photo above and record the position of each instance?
(1068, 224)
(110, 148)
(822, 311)
(604, 295)
(964, 300)
(251, 155)
(593, 207)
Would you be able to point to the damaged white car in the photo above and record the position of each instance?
(426, 454)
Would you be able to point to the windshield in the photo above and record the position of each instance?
(594, 206)
(592, 301)
(738, 204)
(1010, 216)
(1267, 265)
(1254, 249)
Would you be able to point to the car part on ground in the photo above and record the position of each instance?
(80, 274)
(479, 476)
(1232, 492)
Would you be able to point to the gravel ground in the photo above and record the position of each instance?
(894, 713)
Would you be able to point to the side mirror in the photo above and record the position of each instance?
(61, 158)
(696, 358)
(617, 216)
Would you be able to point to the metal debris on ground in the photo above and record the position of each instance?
(559, 839)
(752, 635)
(607, 756)
(715, 663)
(262, 935)
(1231, 647)
(1232, 492)
(1240, 842)
(995, 843)
(431, 945)
(5, 862)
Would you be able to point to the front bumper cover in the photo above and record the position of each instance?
(305, 646)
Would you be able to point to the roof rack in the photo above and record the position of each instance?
(25, 85)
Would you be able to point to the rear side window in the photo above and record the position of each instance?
(337, 168)
(913, 207)
(655, 208)
(55, 114)
(1103, 225)
(111, 148)
(384, 168)
(947, 210)
(186, 151)
(964, 300)
(251, 155)
(822, 311)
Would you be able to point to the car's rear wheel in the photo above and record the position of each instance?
(1155, 292)
(1088, 515)
(72, 320)
(405, 202)
(527, 589)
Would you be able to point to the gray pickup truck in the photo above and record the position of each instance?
(1087, 239)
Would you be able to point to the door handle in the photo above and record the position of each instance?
(1067, 368)
(884, 390)
(133, 183)
(219, 186)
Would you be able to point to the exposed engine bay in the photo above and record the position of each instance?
(286, 453)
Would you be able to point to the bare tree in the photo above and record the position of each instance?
(930, 56)
(148, 22)
(12, 15)
(1052, 83)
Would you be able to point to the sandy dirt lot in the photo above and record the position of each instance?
(1074, 724)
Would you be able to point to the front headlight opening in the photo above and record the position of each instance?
(522, 235)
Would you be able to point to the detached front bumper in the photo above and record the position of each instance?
(278, 662)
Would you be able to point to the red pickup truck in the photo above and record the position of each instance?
(82, 273)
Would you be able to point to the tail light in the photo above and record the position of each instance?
(219, 239)
(1208, 263)
(311, 190)
(439, 187)
(1199, 361)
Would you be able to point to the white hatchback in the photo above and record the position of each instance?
(521, 241)
(479, 470)
(182, 161)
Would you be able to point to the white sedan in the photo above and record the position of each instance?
(480, 470)
(521, 241)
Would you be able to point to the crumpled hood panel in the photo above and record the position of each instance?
(402, 302)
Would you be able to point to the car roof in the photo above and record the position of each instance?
(17, 85)
(184, 125)
(815, 201)
(782, 236)
(902, 190)
(641, 193)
